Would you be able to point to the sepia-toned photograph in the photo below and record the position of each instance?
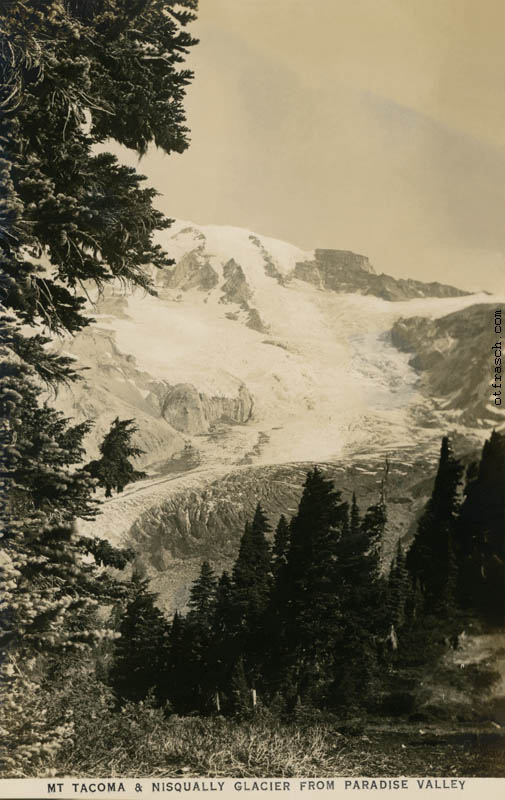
(252, 434)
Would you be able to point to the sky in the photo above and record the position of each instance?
(369, 125)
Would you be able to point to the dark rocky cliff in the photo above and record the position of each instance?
(346, 272)
(454, 357)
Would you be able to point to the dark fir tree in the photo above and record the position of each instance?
(43, 490)
(141, 652)
(481, 537)
(105, 554)
(114, 470)
(199, 638)
(116, 66)
(202, 598)
(177, 679)
(280, 545)
(408, 652)
(226, 643)
(73, 74)
(276, 661)
(373, 529)
(431, 558)
(398, 590)
(50, 590)
(363, 629)
(355, 519)
(312, 612)
(469, 577)
(42, 477)
(252, 581)
(432, 618)
(241, 701)
(49, 367)
(252, 572)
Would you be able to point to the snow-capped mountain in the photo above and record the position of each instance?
(256, 358)
(255, 351)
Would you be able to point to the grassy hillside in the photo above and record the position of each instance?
(141, 742)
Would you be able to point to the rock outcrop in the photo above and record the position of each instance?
(193, 412)
(235, 288)
(454, 357)
(192, 271)
(112, 386)
(255, 322)
(346, 272)
(269, 265)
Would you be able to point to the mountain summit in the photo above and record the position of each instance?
(254, 351)
(337, 270)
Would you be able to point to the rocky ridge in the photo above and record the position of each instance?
(334, 270)
(343, 271)
(454, 358)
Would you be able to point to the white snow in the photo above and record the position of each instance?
(339, 384)
(223, 242)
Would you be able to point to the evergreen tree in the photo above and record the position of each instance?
(252, 581)
(226, 644)
(481, 534)
(50, 368)
(399, 609)
(202, 598)
(355, 681)
(41, 479)
(240, 691)
(199, 633)
(371, 584)
(312, 612)
(431, 560)
(105, 554)
(251, 572)
(355, 520)
(177, 679)
(49, 591)
(469, 578)
(432, 620)
(72, 75)
(141, 652)
(277, 655)
(43, 491)
(361, 640)
(114, 469)
(398, 590)
(116, 66)
(224, 610)
(360, 547)
(280, 546)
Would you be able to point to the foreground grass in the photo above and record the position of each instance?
(151, 746)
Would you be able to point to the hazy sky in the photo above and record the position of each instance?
(370, 125)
